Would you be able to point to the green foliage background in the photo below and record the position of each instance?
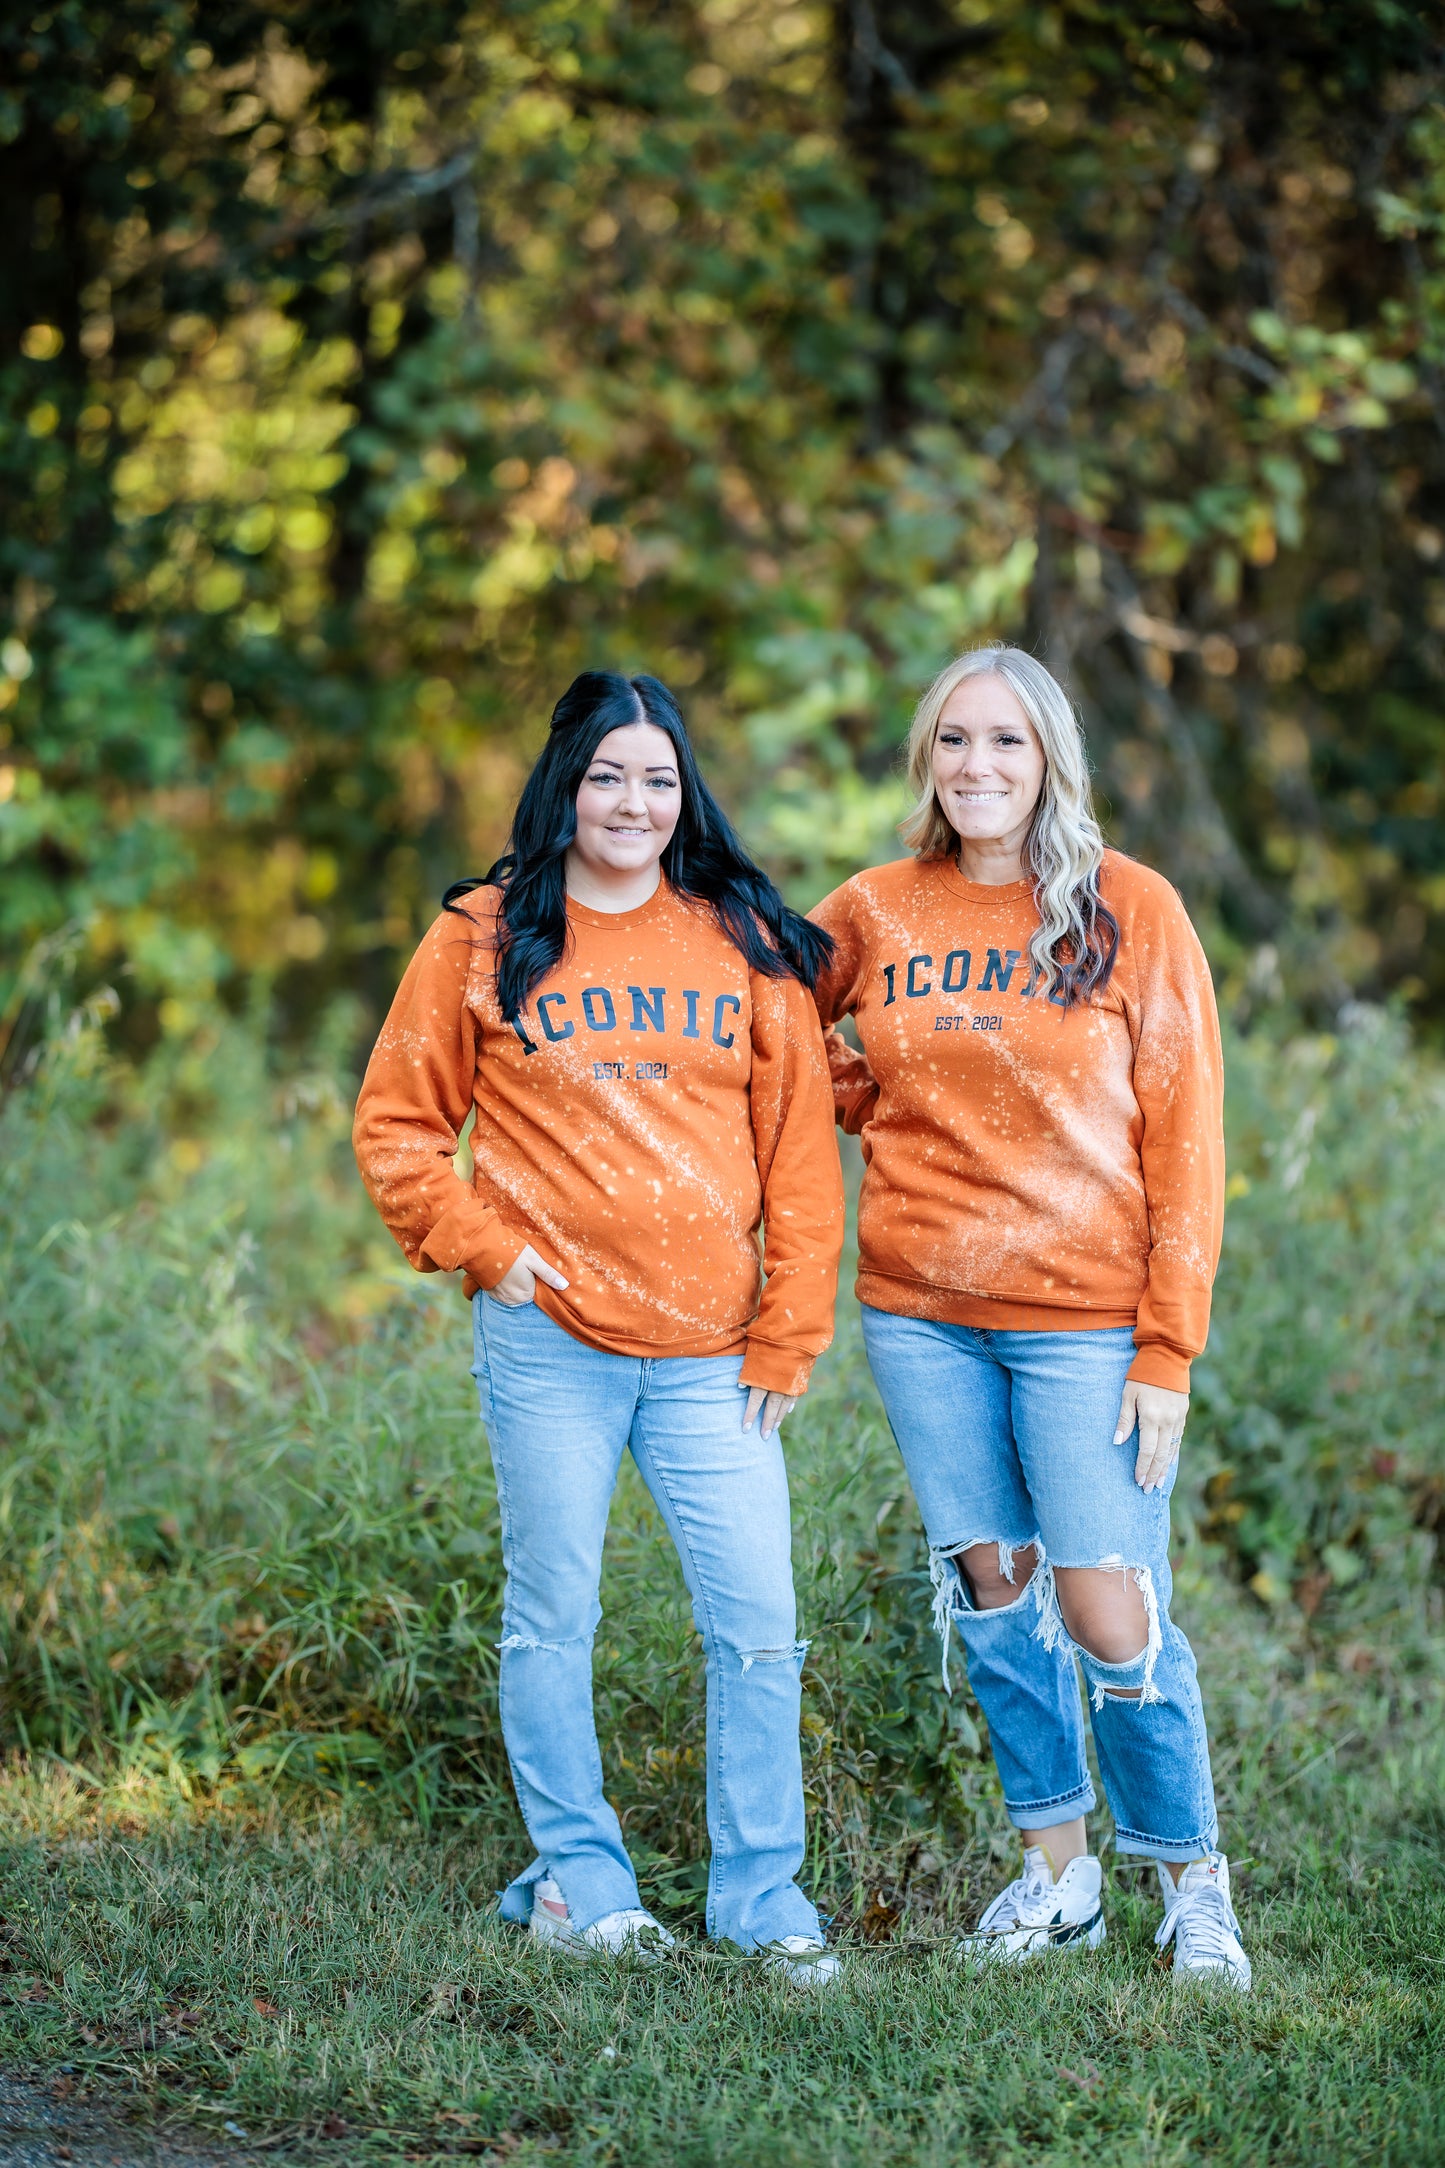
(369, 369)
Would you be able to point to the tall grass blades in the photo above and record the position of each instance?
(248, 1535)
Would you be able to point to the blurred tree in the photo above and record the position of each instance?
(373, 368)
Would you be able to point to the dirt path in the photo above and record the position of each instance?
(46, 2124)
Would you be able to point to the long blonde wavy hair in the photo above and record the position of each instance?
(1073, 950)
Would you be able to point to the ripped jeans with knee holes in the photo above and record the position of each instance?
(1007, 1438)
(559, 1417)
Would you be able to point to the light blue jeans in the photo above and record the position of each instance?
(1008, 1439)
(559, 1415)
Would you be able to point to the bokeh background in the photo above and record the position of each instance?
(368, 369)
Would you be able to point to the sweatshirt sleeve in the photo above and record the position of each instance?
(802, 1186)
(1179, 1087)
(415, 1099)
(855, 1089)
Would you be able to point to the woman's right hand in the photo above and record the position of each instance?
(518, 1284)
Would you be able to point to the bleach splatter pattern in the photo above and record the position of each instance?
(1029, 1167)
(659, 1105)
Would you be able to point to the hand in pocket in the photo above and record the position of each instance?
(518, 1284)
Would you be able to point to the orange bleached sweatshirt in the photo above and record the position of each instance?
(1030, 1167)
(659, 1103)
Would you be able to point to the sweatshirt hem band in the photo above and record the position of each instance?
(777, 1369)
(985, 1313)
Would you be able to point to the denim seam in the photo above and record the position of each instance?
(484, 1369)
(510, 1643)
(683, 1539)
(504, 1515)
(1203, 1774)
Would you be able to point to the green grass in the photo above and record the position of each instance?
(291, 1970)
(255, 1810)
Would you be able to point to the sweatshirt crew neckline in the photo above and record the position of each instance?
(585, 914)
(984, 892)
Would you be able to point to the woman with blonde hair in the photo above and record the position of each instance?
(1039, 1097)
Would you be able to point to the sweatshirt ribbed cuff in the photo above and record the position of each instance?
(854, 1109)
(775, 1369)
(1156, 1364)
(458, 1244)
(494, 1257)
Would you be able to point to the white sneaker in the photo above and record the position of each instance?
(803, 1961)
(1036, 1914)
(617, 1934)
(1200, 1921)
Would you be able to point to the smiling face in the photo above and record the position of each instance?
(988, 771)
(627, 808)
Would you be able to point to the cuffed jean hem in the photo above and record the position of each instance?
(1048, 1813)
(592, 1888)
(1177, 1850)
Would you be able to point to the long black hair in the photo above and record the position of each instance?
(704, 858)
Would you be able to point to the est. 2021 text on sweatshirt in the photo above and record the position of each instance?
(1029, 1166)
(659, 1102)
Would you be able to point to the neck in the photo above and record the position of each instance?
(605, 888)
(993, 863)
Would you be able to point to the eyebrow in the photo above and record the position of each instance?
(661, 767)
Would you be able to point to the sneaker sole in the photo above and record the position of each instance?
(1216, 1977)
(986, 1949)
(561, 1939)
(814, 1979)
(567, 1943)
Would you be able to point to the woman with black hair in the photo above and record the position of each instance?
(624, 1004)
